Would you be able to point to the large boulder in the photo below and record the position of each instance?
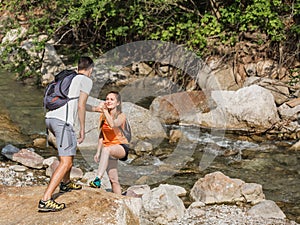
(51, 61)
(12, 35)
(51, 64)
(170, 108)
(218, 188)
(279, 89)
(225, 78)
(161, 205)
(249, 109)
(87, 206)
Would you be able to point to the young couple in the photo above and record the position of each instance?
(112, 143)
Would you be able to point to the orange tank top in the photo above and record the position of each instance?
(112, 136)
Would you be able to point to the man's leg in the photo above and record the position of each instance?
(64, 166)
(66, 178)
(67, 185)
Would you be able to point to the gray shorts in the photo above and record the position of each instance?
(66, 141)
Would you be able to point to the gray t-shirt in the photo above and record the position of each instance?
(79, 83)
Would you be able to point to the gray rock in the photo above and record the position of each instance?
(171, 108)
(28, 158)
(287, 112)
(296, 146)
(76, 173)
(179, 191)
(137, 190)
(161, 206)
(250, 109)
(9, 150)
(18, 168)
(278, 89)
(266, 209)
(218, 188)
(252, 193)
(143, 147)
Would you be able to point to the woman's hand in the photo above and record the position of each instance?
(104, 106)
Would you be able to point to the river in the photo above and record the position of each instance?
(270, 164)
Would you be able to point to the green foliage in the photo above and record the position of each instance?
(255, 16)
(19, 59)
(109, 23)
(96, 26)
(296, 13)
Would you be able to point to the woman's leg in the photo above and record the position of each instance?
(112, 171)
(114, 151)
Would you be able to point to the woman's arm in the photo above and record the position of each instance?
(100, 144)
(114, 122)
(99, 147)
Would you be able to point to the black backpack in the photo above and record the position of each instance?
(56, 93)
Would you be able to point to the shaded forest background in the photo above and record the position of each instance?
(207, 27)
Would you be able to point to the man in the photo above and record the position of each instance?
(81, 86)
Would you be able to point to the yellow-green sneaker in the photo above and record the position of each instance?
(50, 206)
(69, 186)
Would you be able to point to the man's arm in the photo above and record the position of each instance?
(92, 108)
(81, 115)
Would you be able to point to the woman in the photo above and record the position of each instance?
(112, 143)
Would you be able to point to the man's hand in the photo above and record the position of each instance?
(81, 137)
(98, 108)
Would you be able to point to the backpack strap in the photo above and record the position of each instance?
(70, 73)
(67, 113)
(66, 124)
(122, 130)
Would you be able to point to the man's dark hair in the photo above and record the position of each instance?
(85, 63)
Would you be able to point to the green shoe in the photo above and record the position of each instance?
(50, 206)
(69, 187)
(96, 183)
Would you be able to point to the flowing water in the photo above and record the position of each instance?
(270, 164)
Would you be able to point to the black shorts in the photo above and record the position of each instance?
(126, 148)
